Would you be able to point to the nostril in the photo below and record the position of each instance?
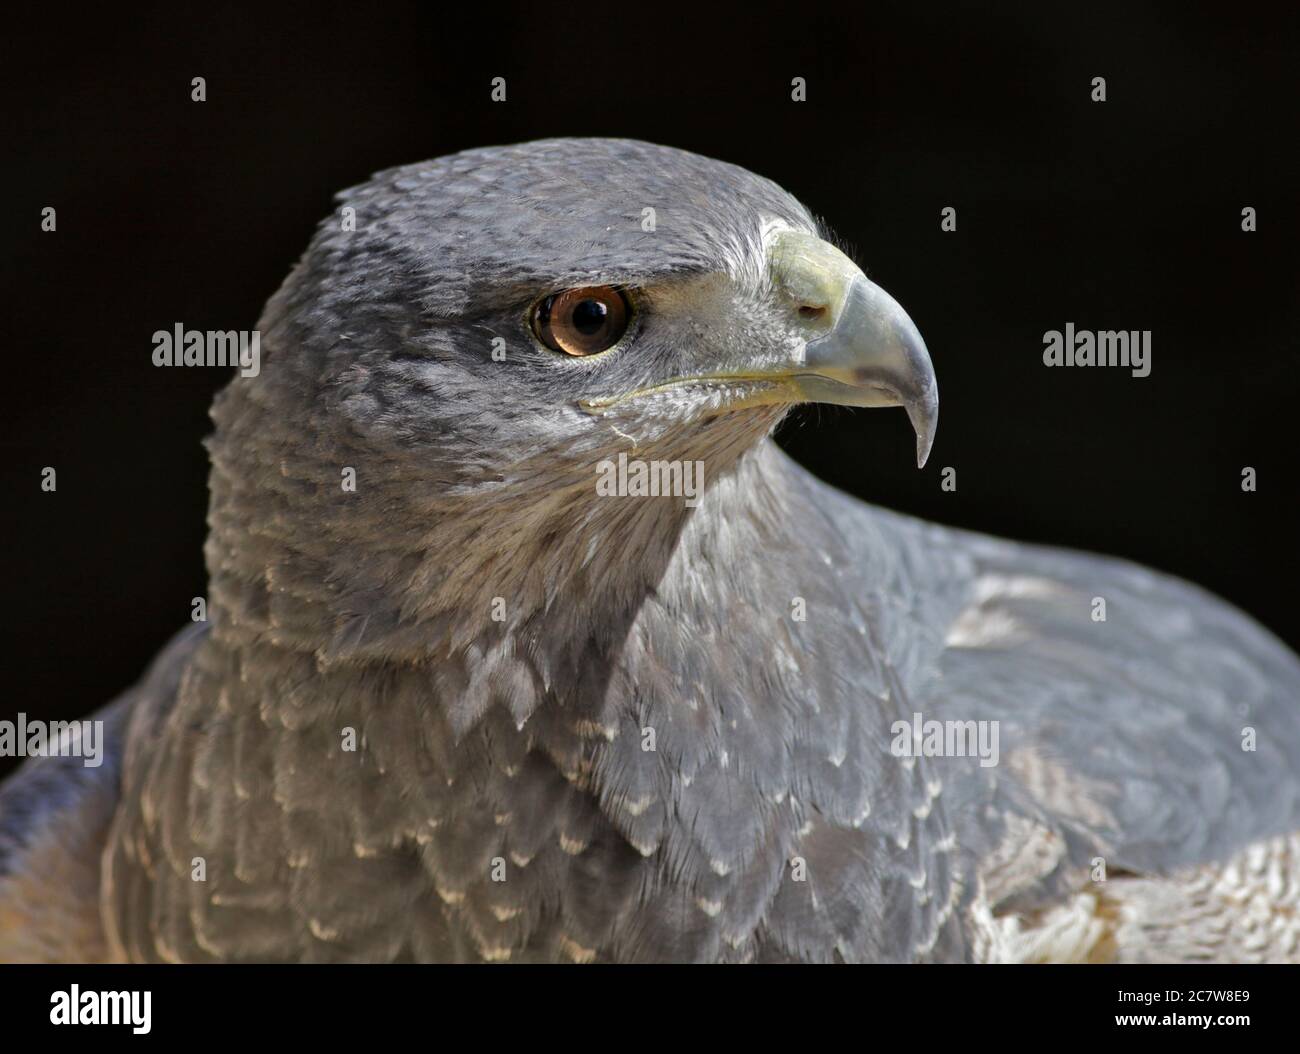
(810, 311)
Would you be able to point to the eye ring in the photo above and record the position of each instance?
(582, 322)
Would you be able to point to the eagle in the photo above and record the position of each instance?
(464, 694)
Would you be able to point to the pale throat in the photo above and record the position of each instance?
(403, 569)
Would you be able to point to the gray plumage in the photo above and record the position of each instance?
(500, 640)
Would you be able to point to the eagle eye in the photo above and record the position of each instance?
(582, 321)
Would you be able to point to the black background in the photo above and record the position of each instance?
(1117, 215)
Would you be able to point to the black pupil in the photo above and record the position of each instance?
(589, 317)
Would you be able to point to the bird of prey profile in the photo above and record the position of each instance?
(471, 689)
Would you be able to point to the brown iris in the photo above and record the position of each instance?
(582, 321)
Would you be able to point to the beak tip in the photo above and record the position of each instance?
(924, 415)
(923, 444)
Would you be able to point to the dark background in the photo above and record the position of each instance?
(1119, 215)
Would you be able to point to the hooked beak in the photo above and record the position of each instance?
(861, 348)
(854, 346)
